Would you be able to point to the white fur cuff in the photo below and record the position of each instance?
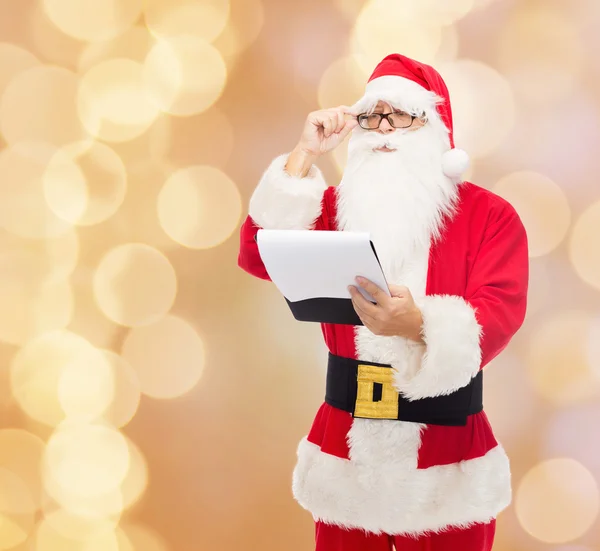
(285, 202)
(452, 355)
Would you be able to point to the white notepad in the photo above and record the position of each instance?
(307, 265)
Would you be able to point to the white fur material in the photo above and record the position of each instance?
(400, 92)
(386, 493)
(455, 162)
(401, 199)
(285, 202)
(452, 351)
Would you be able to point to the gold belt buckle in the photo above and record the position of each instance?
(365, 407)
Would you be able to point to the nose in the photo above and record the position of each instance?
(385, 127)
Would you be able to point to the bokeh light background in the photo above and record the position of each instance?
(152, 394)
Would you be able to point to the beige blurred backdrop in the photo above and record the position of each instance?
(152, 394)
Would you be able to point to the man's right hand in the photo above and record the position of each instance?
(323, 131)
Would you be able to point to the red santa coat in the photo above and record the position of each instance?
(471, 285)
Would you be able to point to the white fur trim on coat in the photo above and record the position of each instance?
(400, 92)
(386, 498)
(285, 202)
(452, 355)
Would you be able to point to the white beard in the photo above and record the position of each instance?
(399, 197)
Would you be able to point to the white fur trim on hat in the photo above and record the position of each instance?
(400, 92)
(455, 162)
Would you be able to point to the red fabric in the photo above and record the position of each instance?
(425, 76)
(486, 246)
(479, 537)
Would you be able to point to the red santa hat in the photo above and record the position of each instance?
(419, 90)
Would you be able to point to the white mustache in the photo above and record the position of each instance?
(374, 140)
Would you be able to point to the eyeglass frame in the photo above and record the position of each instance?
(386, 116)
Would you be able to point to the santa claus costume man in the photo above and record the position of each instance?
(401, 452)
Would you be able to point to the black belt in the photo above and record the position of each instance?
(366, 390)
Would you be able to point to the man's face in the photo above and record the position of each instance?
(385, 127)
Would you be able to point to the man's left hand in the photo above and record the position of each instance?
(397, 315)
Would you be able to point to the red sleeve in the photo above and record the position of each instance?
(463, 333)
(249, 257)
(497, 286)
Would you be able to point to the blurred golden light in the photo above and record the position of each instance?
(245, 23)
(441, 12)
(76, 527)
(38, 371)
(150, 147)
(16, 510)
(21, 454)
(482, 106)
(204, 138)
(112, 101)
(184, 75)
(48, 260)
(557, 501)
(342, 83)
(135, 483)
(93, 191)
(30, 309)
(26, 114)
(85, 390)
(199, 207)
(135, 284)
(54, 46)
(88, 320)
(350, 8)
(84, 460)
(204, 19)
(134, 44)
(14, 60)
(557, 360)
(102, 509)
(23, 208)
(93, 20)
(168, 357)
(385, 27)
(33, 287)
(539, 288)
(583, 246)
(449, 46)
(47, 538)
(542, 206)
(143, 538)
(541, 52)
(593, 346)
(126, 394)
(482, 4)
(138, 215)
(11, 533)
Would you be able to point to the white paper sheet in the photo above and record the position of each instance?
(318, 264)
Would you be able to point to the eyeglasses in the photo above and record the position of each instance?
(396, 119)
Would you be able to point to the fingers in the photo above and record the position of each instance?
(333, 121)
(377, 293)
(340, 121)
(328, 127)
(399, 291)
(362, 304)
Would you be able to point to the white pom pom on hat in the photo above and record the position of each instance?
(395, 77)
(455, 162)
